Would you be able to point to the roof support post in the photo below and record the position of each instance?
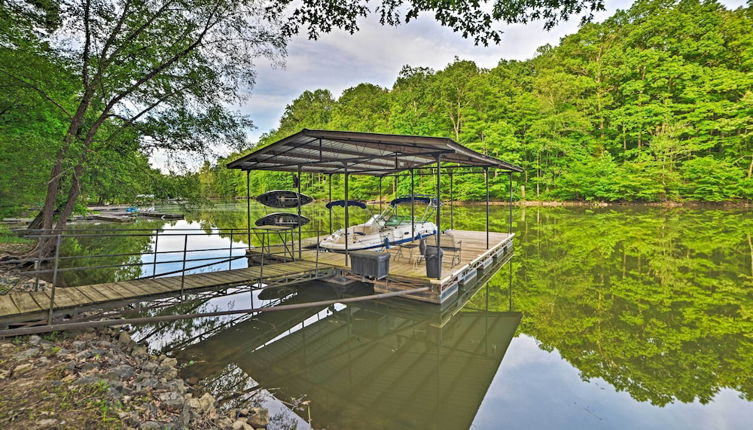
(347, 212)
(439, 208)
(329, 182)
(509, 219)
(248, 209)
(300, 251)
(380, 194)
(452, 198)
(412, 209)
(486, 181)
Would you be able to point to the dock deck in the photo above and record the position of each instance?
(28, 306)
(408, 272)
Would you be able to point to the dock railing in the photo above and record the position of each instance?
(274, 245)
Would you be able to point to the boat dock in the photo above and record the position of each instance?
(29, 306)
(408, 271)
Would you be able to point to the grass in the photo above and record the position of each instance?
(7, 236)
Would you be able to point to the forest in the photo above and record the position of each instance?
(653, 104)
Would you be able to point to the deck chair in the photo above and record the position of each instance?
(451, 245)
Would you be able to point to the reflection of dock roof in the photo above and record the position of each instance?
(375, 370)
(325, 151)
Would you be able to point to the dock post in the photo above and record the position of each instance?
(452, 216)
(230, 257)
(54, 279)
(183, 271)
(347, 214)
(439, 208)
(154, 263)
(380, 194)
(486, 181)
(329, 181)
(412, 210)
(248, 209)
(300, 251)
(509, 220)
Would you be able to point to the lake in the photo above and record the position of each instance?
(618, 317)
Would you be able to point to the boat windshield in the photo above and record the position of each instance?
(394, 216)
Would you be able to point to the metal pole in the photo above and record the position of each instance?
(486, 181)
(412, 210)
(248, 208)
(330, 201)
(380, 194)
(154, 264)
(439, 206)
(183, 271)
(509, 220)
(230, 263)
(54, 279)
(300, 251)
(347, 213)
(452, 198)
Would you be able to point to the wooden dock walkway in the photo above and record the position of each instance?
(407, 272)
(29, 306)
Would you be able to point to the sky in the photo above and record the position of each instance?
(376, 54)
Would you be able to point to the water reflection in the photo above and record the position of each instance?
(375, 365)
(633, 317)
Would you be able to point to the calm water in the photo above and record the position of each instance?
(605, 318)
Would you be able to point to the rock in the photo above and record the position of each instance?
(171, 373)
(169, 362)
(177, 386)
(139, 352)
(22, 369)
(89, 366)
(172, 400)
(206, 402)
(47, 423)
(241, 425)
(84, 355)
(123, 371)
(150, 425)
(124, 338)
(148, 382)
(193, 403)
(87, 380)
(29, 353)
(78, 345)
(104, 344)
(258, 417)
(34, 339)
(150, 366)
(225, 423)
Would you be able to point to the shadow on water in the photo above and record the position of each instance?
(386, 364)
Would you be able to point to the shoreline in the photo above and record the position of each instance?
(101, 378)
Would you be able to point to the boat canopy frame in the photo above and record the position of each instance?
(374, 154)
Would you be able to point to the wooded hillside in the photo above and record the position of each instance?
(655, 103)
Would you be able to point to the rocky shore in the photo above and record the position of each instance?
(103, 379)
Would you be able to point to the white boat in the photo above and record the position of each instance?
(392, 227)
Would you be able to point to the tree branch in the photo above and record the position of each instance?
(38, 90)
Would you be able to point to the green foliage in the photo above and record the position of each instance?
(653, 104)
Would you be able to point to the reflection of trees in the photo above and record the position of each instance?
(656, 302)
(93, 245)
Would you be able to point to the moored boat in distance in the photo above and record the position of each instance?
(283, 199)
